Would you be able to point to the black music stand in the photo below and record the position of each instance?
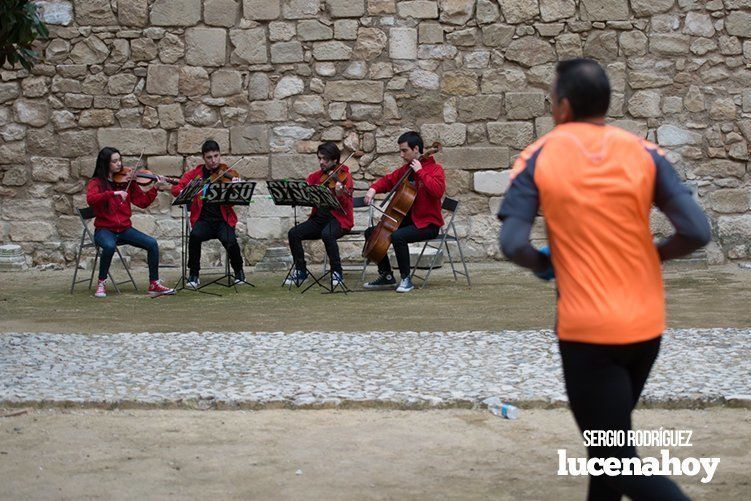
(300, 193)
(237, 193)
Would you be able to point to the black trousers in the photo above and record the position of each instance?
(604, 383)
(406, 234)
(207, 230)
(323, 226)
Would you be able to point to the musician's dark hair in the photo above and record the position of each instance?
(102, 168)
(329, 151)
(586, 86)
(209, 145)
(412, 139)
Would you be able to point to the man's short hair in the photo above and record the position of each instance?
(586, 86)
(329, 151)
(209, 145)
(412, 139)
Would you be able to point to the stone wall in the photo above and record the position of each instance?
(270, 79)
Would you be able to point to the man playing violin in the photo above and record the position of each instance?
(424, 219)
(328, 225)
(110, 201)
(209, 221)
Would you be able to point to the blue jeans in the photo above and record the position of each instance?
(108, 241)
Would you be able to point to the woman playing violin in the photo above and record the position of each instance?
(111, 201)
(209, 221)
(328, 225)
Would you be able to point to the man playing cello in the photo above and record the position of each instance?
(210, 220)
(328, 225)
(424, 219)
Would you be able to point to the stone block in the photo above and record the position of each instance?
(491, 182)
(456, 11)
(346, 8)
(604, 10)
(253, 168)
(292, 166)
(734, 229)
(190, 139)
(170, 116)
(226, 83)
(313, 30)
(49, 170)
(447, 134)
(345, 29)
(672, 135)
(364, 91)
(518, 135)
(300, 9)
(32, 112)
(370, 43)
(8, 91)
(40, 231)
(730, 201)
(166, 165)
(669, 44)
(194, 81)
(524, 105)
(474, 158)
(16, 175)
(249, 139)
(289, 85)
(419, 9)
(206, 46)
(268, 111)
(286, 52)
(334, 50)
(309, 106)
(74, 144)
(376, 7)
(403, 43)
(176, 12)
(475, 108)
(42, 142)
(121, 83)
(55, 13)
(530, 51)
(719, 169)
(487, 12)
(738, 23)
(459, 83)
(94, 13)
(96, 118)
(602, 46)
(134, 141)
(259, 86)
(133, 12)
(221, 12)
(91, 50)
(162, 79)
(651, 7)
(249, 46)
(519, 11)
(430, 33)
(553, 10)
(261, 10)
(644, 104)
(143, 49)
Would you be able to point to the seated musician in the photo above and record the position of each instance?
(328, 225)
(110, 202)
(424, 219)
(209, 221)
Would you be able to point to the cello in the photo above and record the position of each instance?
(400, 200)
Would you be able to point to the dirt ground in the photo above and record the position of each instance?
(333, 454)
(337, 454)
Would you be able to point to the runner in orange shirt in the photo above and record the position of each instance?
(596, 185)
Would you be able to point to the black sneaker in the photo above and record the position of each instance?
(386, 281)
(240, 277)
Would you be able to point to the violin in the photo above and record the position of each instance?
(143, 177)
(223, 174)
(336, 175)
(404, 193)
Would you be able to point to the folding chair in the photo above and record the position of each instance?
(86, 214)
(356, 234)
(439, 243)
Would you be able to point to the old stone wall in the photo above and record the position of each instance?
(270, 79)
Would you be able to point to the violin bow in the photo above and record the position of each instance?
(133, 173)
(221, 173)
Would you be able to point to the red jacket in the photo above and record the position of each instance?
(112, 212)
(431, 185)
(346, 216)
(228, 213)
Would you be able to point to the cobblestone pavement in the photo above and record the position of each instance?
(405, 369)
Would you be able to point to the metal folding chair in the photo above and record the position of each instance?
(87, 240)
(439, 243)
(356, 234)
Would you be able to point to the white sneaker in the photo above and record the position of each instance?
(405, 285)
(296, 278)
(100, 289)
(336, 279)
(193, 283)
